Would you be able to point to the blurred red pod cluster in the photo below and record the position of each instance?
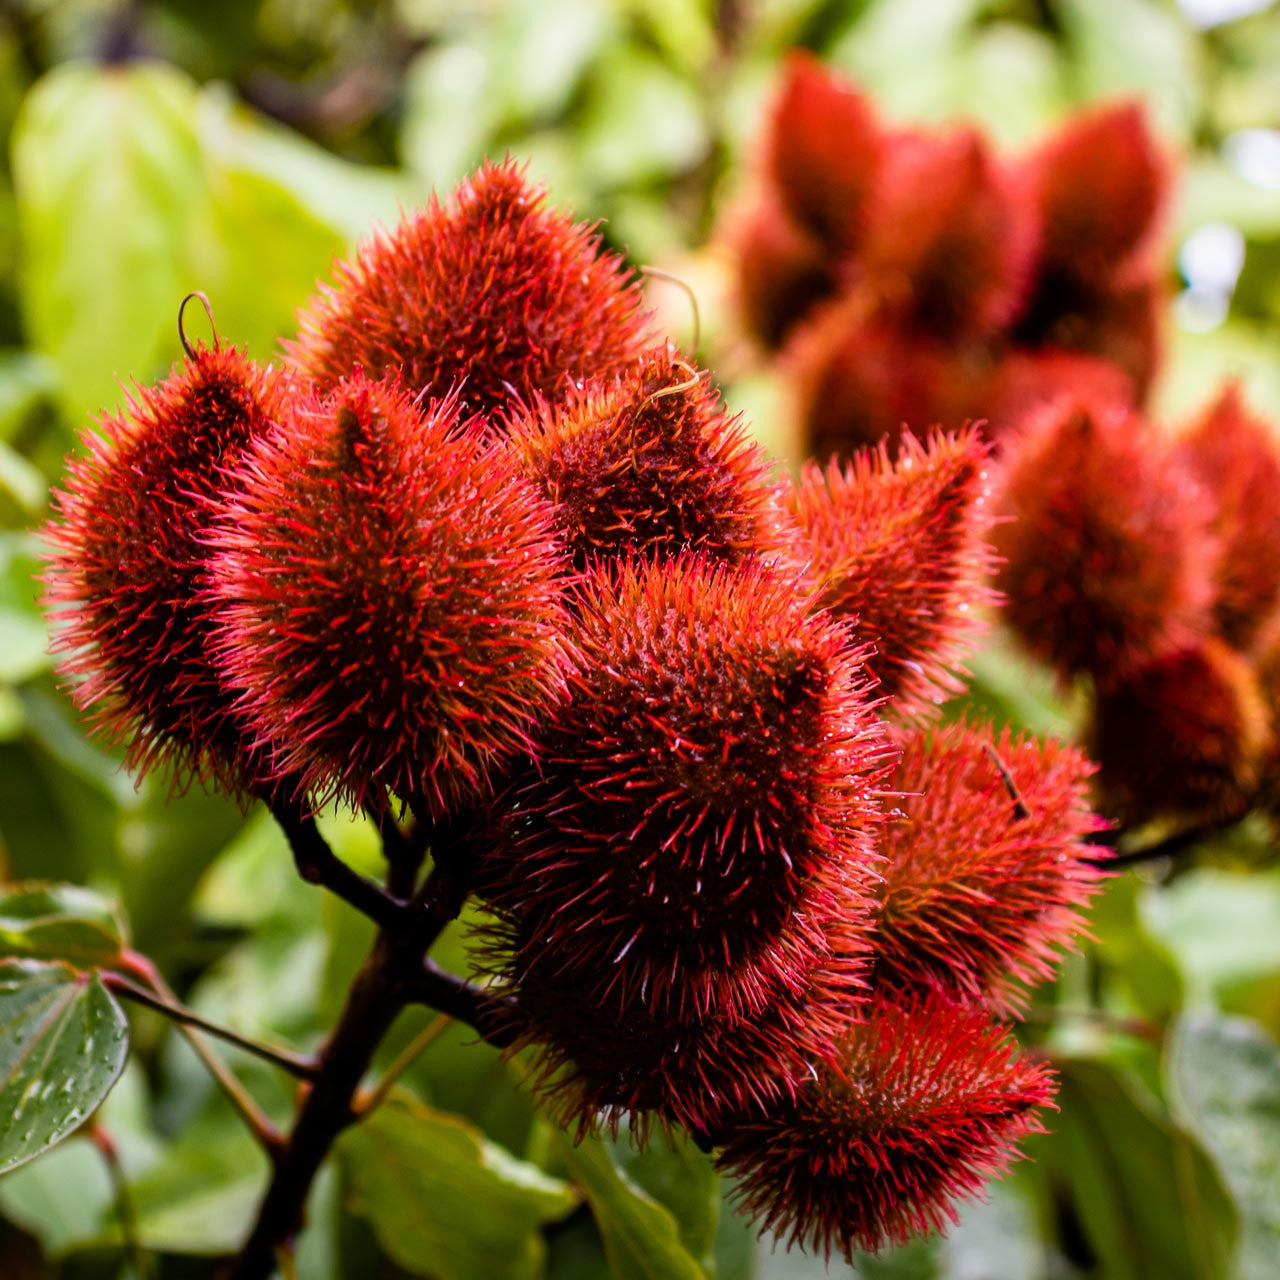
(895, 281)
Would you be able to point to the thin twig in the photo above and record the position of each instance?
(318, 864)
(303, 1068)
(126, 1210)
(425, 1038)
(257, 1120)
(402, 849)
(1020, 809)
(1167, 847)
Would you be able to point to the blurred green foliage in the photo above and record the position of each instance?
(158, 147)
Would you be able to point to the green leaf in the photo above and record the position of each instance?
(1223, 927)
(1139, 961)
(63, 1042)
(107, 172)
(641, 1237)
(446, 1202)
(59, 922)
(1149, 1199)
(1224, 1081)
(200, 1196)
(24, 635)
(62, 1198)
(683, 1179)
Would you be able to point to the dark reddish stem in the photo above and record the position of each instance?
(318, 864)
(397, 973)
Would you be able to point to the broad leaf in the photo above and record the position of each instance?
(683, 1179)
(63, 1042)
(107, 172)
(446, 1202)
(641, 1238)
(1150, 1201)
(1224, 1080)
(59, 922)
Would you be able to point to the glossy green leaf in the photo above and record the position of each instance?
(446, 1202)
(59, 922)
(683, 1179)
(1149, 1200)
(641, 1237)
(1224, 1081)
(63, 1042)
(107, 172)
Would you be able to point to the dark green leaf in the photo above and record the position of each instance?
(59, 922)
(446, 1202)
(1224, 1081)
(641, 1237)
(63, 1042)
(1148, 1197)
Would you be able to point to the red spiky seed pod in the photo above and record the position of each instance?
(856, 381)
(923, 1103)
(1099, 185)
(1235, 455)
(823, 152)
(1185, 736)
(782, 271)
(1116, 319)
(494, 294)
(707, 799)
(624, 1062)
(949, 243)
(1108, 553)
(898, 550)
(988, 868)
(648, 464)
(128, 563)
(389, 594)
(1026, 382)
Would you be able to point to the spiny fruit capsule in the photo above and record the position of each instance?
(1234, 454)
(129, 563)
(389, 599)
(983, 887)
(1109, 556)
(707, 798)
(624, 1061)
(924, 1100)
(823, 153)
(949, 240)
(1184, 736)
(648, 463)
(898, 550)
(494, 295)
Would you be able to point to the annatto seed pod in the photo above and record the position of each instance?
(1109, 557)
(707, 800)
(649, 464)
(823, 153)
(924, 1102)
(1099, 185)
(783, 271)
(128, 564)
(983, 887)
(389, 598)
(856, 381)
(898, 551)
(1026, 382)
(949, 239)
(494, 294)
(1235, 455)
(622, 1061)
(1184, 736)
